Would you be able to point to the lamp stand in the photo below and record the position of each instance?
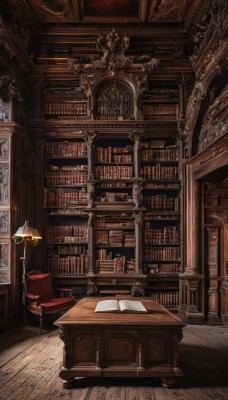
(24, 271)
(29, 236)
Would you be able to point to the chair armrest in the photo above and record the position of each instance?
(32, 297)
(58, 289)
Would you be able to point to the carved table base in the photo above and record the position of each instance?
(120, 345)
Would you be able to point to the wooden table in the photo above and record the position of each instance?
(118, 344)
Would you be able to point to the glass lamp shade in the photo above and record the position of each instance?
(24, 231)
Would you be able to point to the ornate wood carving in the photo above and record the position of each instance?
(92, 290)
(4, 185)
(215, 122)
(98, 350)
(213, 16)
(58, 8)
(4, 256)
(137, 194)
(114, 100)
(4, 223)
(137, 291)
(176, 339)
(141, 355)
(111, 57)
(65, 337)
(4, 149)
(90, 191)
(162, 10)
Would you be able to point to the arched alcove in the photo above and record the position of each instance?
(113, 100)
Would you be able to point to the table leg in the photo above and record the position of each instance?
(168, 382)
(68, 383)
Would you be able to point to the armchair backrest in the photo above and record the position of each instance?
(39, 284)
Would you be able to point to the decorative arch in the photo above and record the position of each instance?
(114, 98)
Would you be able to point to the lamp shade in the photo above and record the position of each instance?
(24, 231)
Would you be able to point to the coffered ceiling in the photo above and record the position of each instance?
(100, 11)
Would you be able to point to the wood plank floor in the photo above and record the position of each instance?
(29, 366)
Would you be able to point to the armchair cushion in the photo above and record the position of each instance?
(52, 305)
(40, 285)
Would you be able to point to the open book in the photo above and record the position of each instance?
(127, 306)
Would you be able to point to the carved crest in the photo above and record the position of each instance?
(111, 57)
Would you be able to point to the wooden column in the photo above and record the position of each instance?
(138, 244)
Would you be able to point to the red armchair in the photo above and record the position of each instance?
(40, 297)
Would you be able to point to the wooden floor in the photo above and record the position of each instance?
(29, 366)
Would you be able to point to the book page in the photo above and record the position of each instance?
(107, 306)
(132, 306)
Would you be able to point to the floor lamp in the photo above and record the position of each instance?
(30, 237)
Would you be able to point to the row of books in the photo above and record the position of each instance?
(167, 298)
(165, 235)
(104, 254)
(111, 197)
(159, 171)
(161, 203)
(65, 108)
(68, 265)
(118, 265)
(64, 96)
(114, 223)
(114, 172)
(161, 186)
(66, 149)
(161, 109)
(62, 197)
(160, 155)
(112, 185)
(115, 238)
(166, 253)
(111, 154)
(67, 249)
(64, 178)
(170, 268)
(119, 108)
(67, 234)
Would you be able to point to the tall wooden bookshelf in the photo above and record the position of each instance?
(111, 228)
(112, 187)
(161, 228)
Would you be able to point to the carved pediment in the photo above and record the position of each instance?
(111, 57)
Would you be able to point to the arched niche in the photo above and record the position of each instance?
(114, 99)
